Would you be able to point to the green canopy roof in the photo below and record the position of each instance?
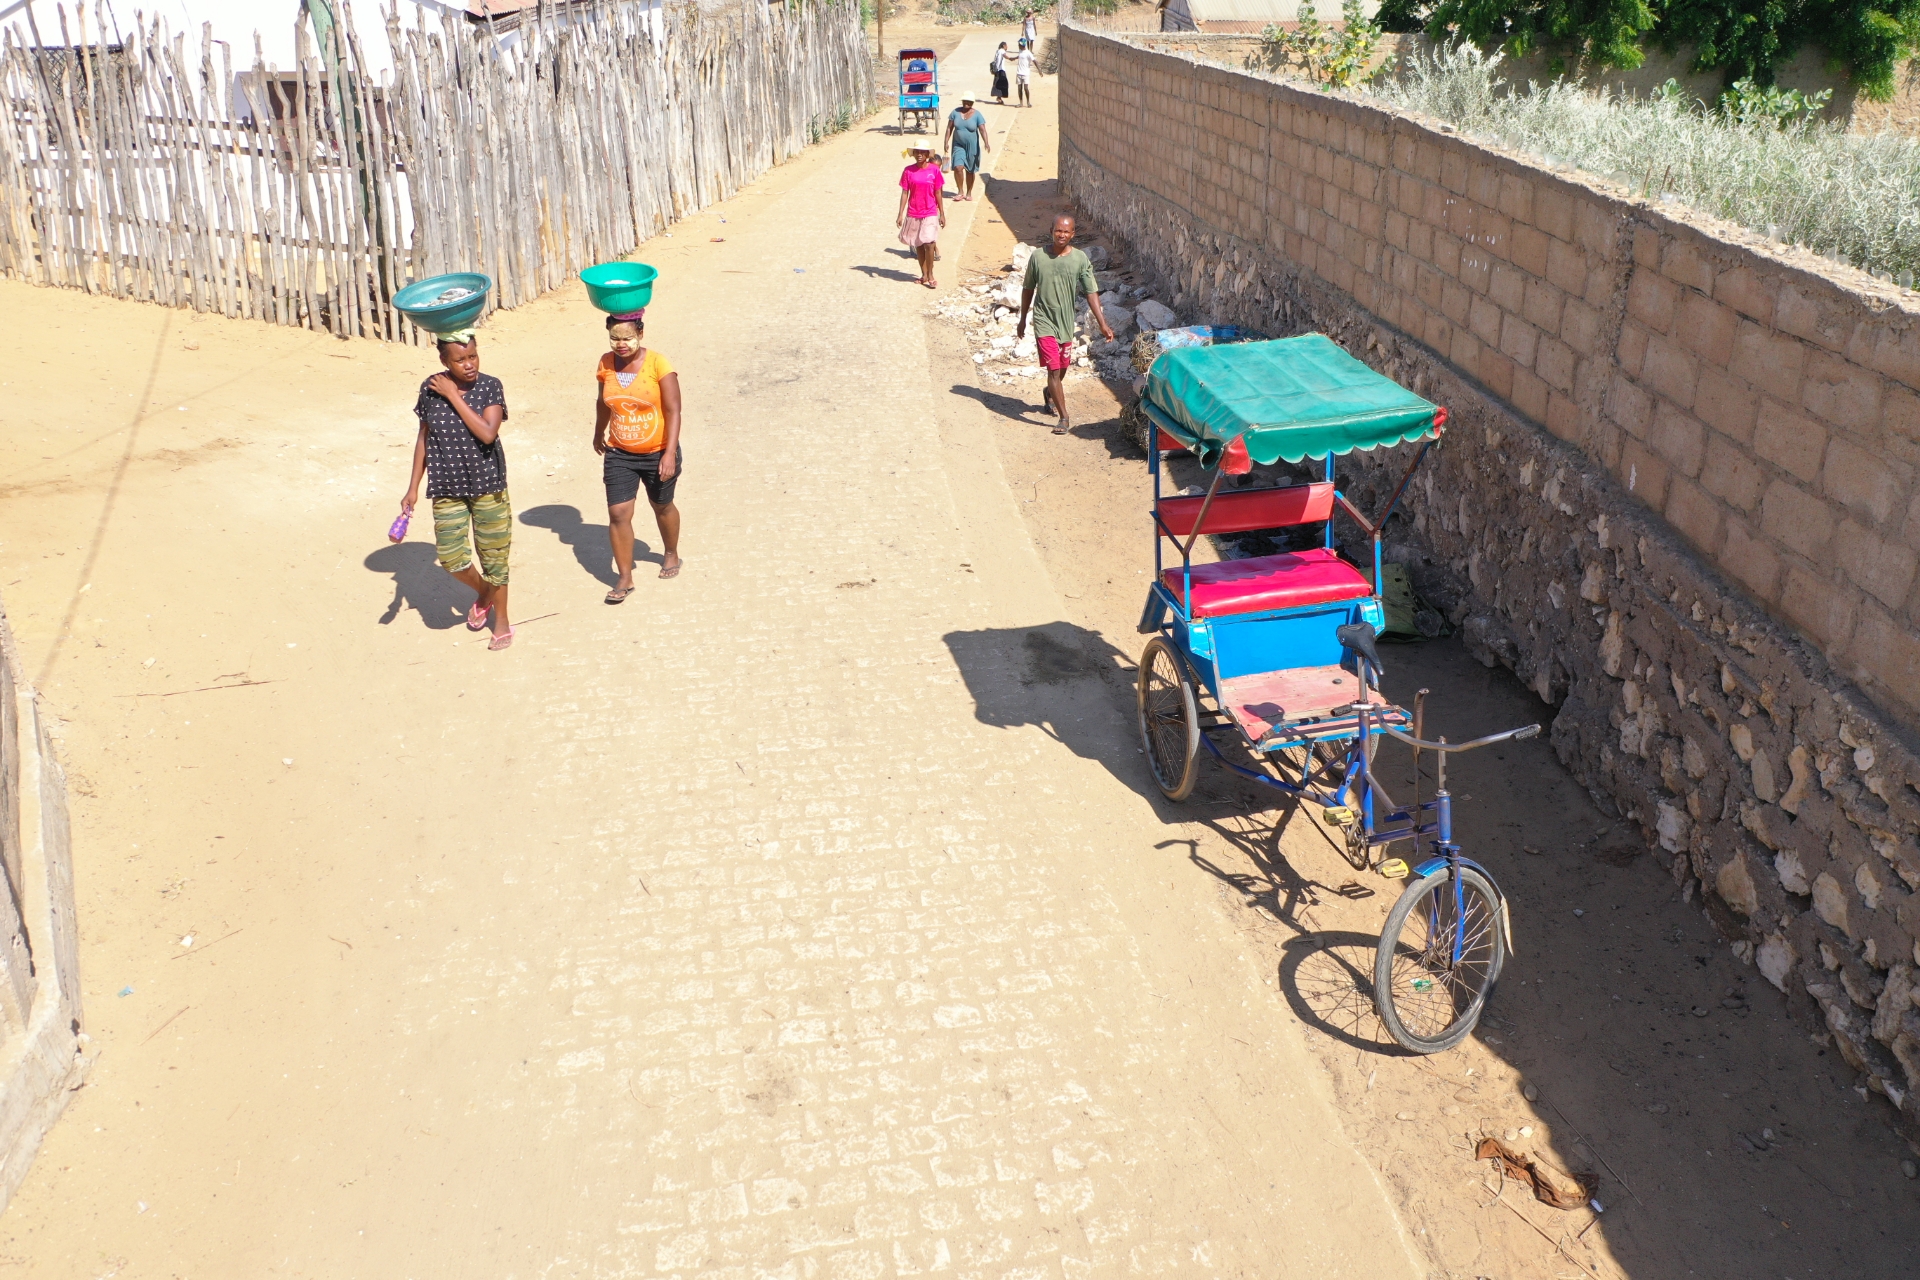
(1290, 399)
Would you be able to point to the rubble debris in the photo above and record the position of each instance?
(988, 313)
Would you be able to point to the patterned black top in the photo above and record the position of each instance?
(459, 466)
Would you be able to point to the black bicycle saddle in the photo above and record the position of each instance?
(1358, 636)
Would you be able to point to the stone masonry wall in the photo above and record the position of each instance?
(1676, 497)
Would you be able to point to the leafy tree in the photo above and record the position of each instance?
(1403, 17)
(1604, 32)
(1745, 39)
(1751, 38)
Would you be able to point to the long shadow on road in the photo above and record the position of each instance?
(588, 542)
(1017, 408)
(421, 584)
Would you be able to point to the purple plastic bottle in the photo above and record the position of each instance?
(398, 533)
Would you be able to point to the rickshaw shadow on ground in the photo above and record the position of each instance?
(1061, 678)
(587, 541)
(1326, 975)
(421, 584)
(1327, 979)
(1078, 688)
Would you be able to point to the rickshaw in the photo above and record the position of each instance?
(1276, 655)
(919, 89)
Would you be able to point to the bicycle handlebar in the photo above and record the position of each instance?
(1517, 735)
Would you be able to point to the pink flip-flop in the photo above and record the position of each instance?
(477, 616)
(501, 641)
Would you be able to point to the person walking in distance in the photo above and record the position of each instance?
(1023, 73)
(923, 209)
(1030, 29)
(460, 412)
(1056, 277)
(636, 432)
(999, 67)
(966, 139)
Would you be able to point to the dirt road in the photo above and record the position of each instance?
(752, 928)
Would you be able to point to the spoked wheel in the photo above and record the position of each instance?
(1169, 719)
(1429, 1000)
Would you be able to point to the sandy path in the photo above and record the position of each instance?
(758, 927)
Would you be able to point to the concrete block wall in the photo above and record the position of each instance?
(1677, 498)
(40, 1038)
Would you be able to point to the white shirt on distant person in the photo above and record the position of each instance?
(1025, 68)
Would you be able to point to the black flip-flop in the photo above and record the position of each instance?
(619, 595)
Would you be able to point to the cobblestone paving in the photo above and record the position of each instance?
(794, 919)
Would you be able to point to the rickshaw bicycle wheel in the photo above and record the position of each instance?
(1169, 719)
(1428, 1001)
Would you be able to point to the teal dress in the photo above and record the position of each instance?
(966, 138)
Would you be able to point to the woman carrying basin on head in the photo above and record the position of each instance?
(636, 431)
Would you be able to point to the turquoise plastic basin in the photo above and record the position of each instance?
(614, 287)
(416, 301)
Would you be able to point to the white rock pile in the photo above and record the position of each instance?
(988, 312)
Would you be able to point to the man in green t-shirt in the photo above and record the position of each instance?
(1056, 276)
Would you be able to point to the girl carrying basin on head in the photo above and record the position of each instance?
(636, 432)
(460, 412)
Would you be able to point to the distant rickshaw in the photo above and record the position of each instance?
(919, 89)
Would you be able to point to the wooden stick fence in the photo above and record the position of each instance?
(134, 166)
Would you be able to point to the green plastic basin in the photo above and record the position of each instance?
(419, 301)
(614, 287)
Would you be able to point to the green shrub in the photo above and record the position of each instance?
(1758, 160)
(1750, 103)
(1339, 57)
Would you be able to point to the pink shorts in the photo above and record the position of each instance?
(919, 231)
(1055, 354)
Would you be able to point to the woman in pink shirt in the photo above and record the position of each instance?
(923, 209)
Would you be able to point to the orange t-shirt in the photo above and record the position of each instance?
(637, 421)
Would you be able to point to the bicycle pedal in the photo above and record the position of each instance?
(1395, 869)
(1339, 815)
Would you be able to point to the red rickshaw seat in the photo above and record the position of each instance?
(1282, 581)
(1244, 510)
